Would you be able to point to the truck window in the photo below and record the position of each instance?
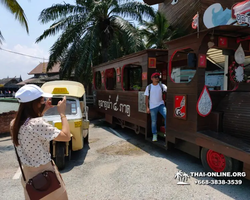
(110, 82)
(132, 77)
(181, 71)
(98, 80)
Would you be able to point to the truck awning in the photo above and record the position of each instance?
(153, 2)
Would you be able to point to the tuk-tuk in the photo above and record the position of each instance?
(77, 115)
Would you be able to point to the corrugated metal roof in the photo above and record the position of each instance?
(216, 57)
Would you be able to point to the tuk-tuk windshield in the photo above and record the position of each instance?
(71, 108)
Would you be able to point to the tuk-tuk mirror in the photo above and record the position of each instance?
(192, 59)
(82, 106)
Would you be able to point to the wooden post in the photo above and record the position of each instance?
(225, 85)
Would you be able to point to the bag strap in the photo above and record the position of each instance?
(161, 86)
(149, 87)
(20, 165)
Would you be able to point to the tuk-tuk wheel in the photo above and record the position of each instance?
(69, 156)
(60, 155)
(86, 139)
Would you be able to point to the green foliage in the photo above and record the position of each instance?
(136, 87)
(92, 32)
(158, 31)
(16, 9)
(134, 77)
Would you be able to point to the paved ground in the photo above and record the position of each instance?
(120, 165)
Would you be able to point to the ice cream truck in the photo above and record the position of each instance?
(207, 73)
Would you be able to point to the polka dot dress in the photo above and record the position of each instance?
(34, 138)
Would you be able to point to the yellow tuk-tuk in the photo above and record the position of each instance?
(77, 115)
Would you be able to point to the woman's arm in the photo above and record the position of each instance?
(65, 132)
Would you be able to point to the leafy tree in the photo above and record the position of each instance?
(158, 31)
(93, 32)
(16, 9)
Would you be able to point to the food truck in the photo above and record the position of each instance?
(207, 73)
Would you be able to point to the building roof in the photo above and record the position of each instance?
(6, 80)
(39, 80)
(42, 69)
(32, 80)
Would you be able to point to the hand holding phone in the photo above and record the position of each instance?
(54, 101)
(61, 105)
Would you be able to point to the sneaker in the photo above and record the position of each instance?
(154, 138)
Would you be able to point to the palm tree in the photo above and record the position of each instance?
(16, 9)
(157, 32)
(185, 177)
(179, 175)
(93, 32)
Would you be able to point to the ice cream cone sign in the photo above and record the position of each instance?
(204, 104)
(239, 55)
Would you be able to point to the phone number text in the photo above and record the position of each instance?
(218, 182)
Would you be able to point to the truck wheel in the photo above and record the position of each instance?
(86, 139)
(213, 161)
(60, 155)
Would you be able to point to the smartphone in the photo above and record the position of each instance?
(54, 101)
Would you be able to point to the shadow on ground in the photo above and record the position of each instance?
(184, 161)
(77, 159)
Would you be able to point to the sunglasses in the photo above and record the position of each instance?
(44, 100)
(156, 77)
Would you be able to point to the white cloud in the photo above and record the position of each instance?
(12, 64)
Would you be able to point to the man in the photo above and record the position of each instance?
(155, 103)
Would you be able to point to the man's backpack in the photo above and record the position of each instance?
(163, 93)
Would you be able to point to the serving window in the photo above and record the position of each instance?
(110, 79)
(214, 73)
(183, 66)
(132, 77)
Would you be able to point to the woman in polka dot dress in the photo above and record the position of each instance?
(31, 134)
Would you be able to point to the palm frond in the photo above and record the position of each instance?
(157, 31)
(1, 38)
(17, 10)
(134, 10)
(62, 43)
(69, 60)
(62, 24)
(132, 40)
(60, 11)
(93, 32)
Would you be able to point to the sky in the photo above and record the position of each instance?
(16, 39)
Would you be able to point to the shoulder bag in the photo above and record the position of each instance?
(40, 185)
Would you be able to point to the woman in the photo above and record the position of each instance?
(31, 135)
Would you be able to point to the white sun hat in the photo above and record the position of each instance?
(29, 93)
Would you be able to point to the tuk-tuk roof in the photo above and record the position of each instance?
(65, 88)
